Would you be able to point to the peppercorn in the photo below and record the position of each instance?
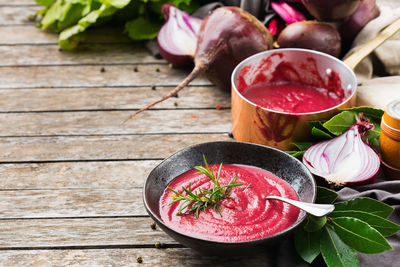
(158, 244)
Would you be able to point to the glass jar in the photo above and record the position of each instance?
(389, 140)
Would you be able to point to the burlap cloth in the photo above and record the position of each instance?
(379, 73)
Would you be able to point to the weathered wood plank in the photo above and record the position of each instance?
(17, 2)
(76, 175)
(59, 99)
(127, 257)
(121, 147)
(92, 76)
(80, 232)
(29, 34)
(132, 53)
(71, 203)
(109, 122)
(17, 15)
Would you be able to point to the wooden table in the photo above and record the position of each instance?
(71, 174)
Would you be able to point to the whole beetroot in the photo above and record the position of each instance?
(331, 10)
(226, 37)
(366, 11)
(315, 35)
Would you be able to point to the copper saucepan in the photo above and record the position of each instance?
(251, 123)
(255, 124)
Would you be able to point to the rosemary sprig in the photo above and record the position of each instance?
(200, 199)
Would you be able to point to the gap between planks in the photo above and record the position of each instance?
(106, 123)
(128, 257)
(80, 232)
(76, 148)
(92, 76)
(109, 99)
(30, 35)
(85, 54)
(79, 174)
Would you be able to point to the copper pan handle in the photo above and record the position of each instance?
(358, 55)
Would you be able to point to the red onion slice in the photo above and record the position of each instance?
(345, 159)
(177, 38)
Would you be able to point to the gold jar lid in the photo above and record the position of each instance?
(392, 114)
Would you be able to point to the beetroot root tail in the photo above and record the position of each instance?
(195, 72)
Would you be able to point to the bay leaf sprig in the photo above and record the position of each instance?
(359, 225)
(202, 199)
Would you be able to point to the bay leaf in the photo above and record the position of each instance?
(360, 235)
(314, 223)
(335, 252)
(338, 124)
(307, 244)
(365, 204)
(325, 195)
(296, 154)
(320, 134)
(383, 226)
(374, 113)
(303, 145)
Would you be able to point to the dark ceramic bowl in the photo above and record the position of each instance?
(281, 164)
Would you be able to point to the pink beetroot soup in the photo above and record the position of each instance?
(246, 215)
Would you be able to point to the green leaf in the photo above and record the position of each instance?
(303, 145)
(155, 6)
(373, 113)
(365, 204)
(325, 195)
(142, 28)
(372, 135)
(338, 124)
(360, 235)
(296, 154)
(335, 252)
(116, 3)
(45, 3)
(65, 13)
(69, 38)
(320, 134)
(383, 226)
(314, 224)
(307, 244)
(316, 124)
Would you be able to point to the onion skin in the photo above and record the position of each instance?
(227, 37)
(331, 10)
(315, 35)
(366, 11)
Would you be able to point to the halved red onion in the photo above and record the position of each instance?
(286, 12)
(177, 38)
(345, 159)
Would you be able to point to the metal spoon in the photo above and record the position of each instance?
(317, 210)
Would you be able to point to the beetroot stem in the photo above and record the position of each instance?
(195, 72)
